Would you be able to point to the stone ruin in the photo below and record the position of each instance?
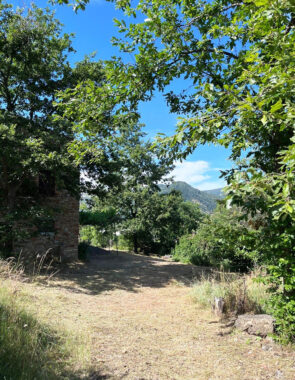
(59, 239)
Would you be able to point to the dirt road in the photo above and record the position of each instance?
(143, 324)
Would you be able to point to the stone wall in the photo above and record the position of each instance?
(62, 242)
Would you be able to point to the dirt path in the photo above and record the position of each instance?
(143, 324)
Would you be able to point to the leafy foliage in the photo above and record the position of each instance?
(221, 241)
(48, 127)
(161, 220)
(272, 195)
(143, 169)
(98, 222)
(33, 55)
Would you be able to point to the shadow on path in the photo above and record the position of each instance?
(108, 270)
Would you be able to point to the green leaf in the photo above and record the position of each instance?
(264, 119)
(276, 106)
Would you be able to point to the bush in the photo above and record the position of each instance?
(218, 242)
(187, 251)
(124, 243)
(93, 236)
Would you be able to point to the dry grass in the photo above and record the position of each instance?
(131, 317)
(241, 294)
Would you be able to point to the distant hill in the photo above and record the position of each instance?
(216, 193)
(206, 199)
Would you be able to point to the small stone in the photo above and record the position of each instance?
(266, 348)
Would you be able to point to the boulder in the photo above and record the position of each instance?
(260, 324)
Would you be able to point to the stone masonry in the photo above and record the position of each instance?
(62, 242)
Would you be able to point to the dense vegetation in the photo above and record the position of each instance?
(139, 219)
(219, 242)
(40, 136)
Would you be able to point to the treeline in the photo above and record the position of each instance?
(165, 224)
(147, 220)
(155, 227)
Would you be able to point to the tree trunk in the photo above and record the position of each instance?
(135, 243)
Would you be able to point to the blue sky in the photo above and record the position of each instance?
(93, 31)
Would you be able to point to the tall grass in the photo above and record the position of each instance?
(240, 294)
(29, 348)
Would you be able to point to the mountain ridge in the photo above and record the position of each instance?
(206, 199)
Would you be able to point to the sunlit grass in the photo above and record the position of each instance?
(30, 348)
(242, 294)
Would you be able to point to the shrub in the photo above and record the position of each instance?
(124, 243)
(93, 236)
(188, 251)
(218, 242)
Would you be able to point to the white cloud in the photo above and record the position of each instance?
(192, 172)
(197, 174)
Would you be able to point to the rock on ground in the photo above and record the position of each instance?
(260, 324)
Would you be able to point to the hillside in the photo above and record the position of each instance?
(206, 200)
(216, 193)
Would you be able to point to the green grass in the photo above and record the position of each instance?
(240, 295)
(31, 348)
(28, 349)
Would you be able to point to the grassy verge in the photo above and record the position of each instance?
(241, 295)
(29, 348)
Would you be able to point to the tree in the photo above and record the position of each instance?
(155, 226)
(33, 55)
(149, 220)
(100, 128)
(39, 137)
(164, 218)
(240, 58)
(143, 169)
(98, 222)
